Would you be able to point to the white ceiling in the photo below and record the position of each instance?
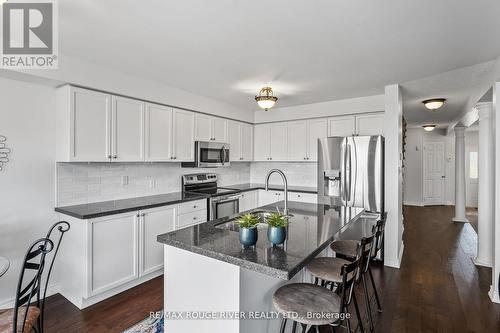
(456, 86)
(309, 51)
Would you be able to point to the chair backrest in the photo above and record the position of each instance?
(366, 248)
(379, 237)
(349, 273)
(29, 290)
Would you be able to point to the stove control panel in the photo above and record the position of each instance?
(199, 178)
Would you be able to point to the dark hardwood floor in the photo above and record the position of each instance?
(437, 289)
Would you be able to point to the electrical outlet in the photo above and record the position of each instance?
(124, 180)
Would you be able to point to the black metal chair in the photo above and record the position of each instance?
(297, 301)
(28, 311)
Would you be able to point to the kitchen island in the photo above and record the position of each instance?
(212, 284)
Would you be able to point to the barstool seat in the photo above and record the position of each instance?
(327, 268)
(304, 298)
(346, 247)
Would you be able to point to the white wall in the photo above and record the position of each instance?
(413, 172)
(324, 109)
(87, 74)
(27, 119)
(413, 177)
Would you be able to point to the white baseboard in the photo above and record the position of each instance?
(395, 263)
(493, 293)
(482, 263)
(413, 203)
(460, 220)
(9, 303)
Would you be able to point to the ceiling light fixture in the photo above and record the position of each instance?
(265, 98)
(429, 127)
(434, 103)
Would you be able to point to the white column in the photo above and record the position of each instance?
(486, 186)
(460, 175)
(495, 272)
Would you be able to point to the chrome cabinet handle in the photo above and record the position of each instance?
(195, 206)
(115, 156)
(195, 218)
(110, 157)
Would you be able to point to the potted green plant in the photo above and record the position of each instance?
(248, 229)
(276, 231)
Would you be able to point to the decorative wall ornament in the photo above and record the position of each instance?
(4, 151)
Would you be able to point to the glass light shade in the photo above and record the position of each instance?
(266, 103)
(434, 104)
(429, 128)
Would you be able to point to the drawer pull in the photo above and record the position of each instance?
(195, 218)
(195, 206)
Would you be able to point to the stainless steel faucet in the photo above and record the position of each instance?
(285, 182)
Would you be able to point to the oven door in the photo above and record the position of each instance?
(212, 154)
(224, 206)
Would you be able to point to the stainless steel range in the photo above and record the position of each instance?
(222, 202)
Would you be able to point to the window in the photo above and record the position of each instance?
(473, 165)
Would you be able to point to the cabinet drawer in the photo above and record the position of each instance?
(196, 217)
(192, 206)
(303, 197)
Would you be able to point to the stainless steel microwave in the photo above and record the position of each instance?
(209, 154)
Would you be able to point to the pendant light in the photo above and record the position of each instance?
(266, 99)
(429, 127)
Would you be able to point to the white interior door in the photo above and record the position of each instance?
(433, 173)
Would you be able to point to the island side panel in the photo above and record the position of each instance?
(193, 282)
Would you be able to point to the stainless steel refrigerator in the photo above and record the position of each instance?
(351, 172)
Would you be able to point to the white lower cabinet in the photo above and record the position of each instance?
(269, 197)
(113, 255)
(104, 256)
(154, 222)
(248, 200)
(303, 197)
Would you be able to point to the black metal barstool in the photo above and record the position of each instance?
(343, 249)
(326, 270)
(297, 301)
(27, 314)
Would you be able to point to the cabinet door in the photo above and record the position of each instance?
(154, 222)
(278, 141)
(203, 127)
(268, 197)
(246, 142)
(158, 133)
(234, 139)
(248, 200)
(297, 140)
(261, 143)
(90, 126)
(303, 197)
(219, 129)
(316, 129)
(341, 126)
(370, 124)
(128, 130)
(113, 252)
(183, 141)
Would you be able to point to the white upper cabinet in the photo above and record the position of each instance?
(127, 130)
(183, 138)
(83, 125)
(159, 133)
(279, 144)
(219, 129)
(342, 126)
(210, 128)
(316, 129)
(246, 142)
(297, 140)
(261, 145)
(370, 124)
(169, 134)
(270, 142)
(234, 140)
(240, 139)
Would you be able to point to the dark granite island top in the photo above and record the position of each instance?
(104, 208)
(312, 228)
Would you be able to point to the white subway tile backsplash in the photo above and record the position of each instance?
(79, 183)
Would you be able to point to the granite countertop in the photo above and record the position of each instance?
(312, 228)
(257, 186)
(104, 208)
